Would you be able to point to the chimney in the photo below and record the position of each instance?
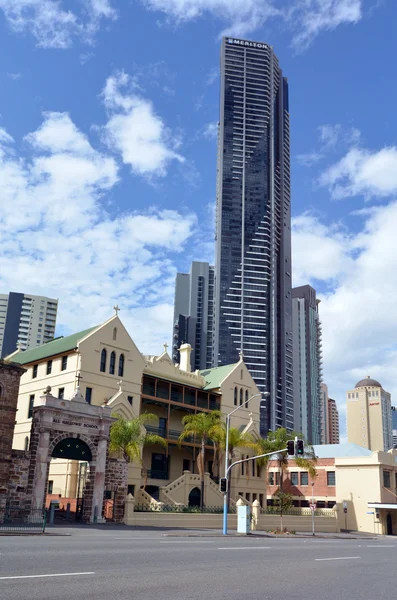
(184, 363)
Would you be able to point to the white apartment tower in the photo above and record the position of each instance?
(26, 321)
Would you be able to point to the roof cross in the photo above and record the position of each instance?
(116, 308)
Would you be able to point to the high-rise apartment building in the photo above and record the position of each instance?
(253, 304)
(324, 413)
(329, 418)
(25, 321)
(308, 406)
(369, 416)
(394, 425)
(193, 314)
(333, 422)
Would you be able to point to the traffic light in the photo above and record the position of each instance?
(223, 485)
(291, 448)
(299, 448)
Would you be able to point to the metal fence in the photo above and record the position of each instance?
(179, 508)
(299, 512)
(22, 521)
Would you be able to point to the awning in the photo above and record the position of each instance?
(382, 505)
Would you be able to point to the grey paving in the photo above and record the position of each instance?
(146, 565)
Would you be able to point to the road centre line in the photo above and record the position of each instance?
(338, 558)
(382, 546)
(188, 542)
(247, 548)
(49, 575)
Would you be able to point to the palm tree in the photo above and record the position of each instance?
(278, 440)
(128, 436)
(237, 439)
(205, 427)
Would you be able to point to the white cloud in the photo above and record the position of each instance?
(305, 18)
(14, 76)
(309, 159)
(328, 261)
(52, 24)
(135, 131)
(58, 239)
(210, 131)
(355, 274)
(362, 172)
(311, 17)
(332, 138)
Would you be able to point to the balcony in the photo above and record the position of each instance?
(156, 430)
(152, 474)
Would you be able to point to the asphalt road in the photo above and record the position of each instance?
(146, 565)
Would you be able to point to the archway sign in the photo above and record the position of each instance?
(72, 429)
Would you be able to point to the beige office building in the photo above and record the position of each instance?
(369, 416)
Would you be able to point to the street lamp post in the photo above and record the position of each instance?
(227, 457)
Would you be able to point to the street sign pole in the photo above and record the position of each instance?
(313, 508)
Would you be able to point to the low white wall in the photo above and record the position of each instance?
(208, 521)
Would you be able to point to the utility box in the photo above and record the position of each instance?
(243, 519)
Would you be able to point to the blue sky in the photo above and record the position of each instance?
(108, 113)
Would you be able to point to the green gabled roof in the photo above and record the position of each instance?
(57, 346)
(214, 377)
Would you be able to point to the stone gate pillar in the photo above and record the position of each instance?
(99, 478)
(10, 374)
(41, 470)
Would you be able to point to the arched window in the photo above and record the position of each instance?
(26, 443)
(241, 396)
(246, 398)
(103, 360)
(115, 333)
(121, 365)
(112, 364)
(235, 396)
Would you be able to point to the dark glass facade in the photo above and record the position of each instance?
(253, 308)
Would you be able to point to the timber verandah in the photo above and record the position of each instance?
(171, 396)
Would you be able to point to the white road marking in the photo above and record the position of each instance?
(188, 542)
(339, 558)
(50, 575)
(382, 546)
(248, 548)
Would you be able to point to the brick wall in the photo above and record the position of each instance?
(303, 493)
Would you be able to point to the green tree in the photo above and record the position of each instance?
(277, 441)
(237, 439)
(283, 502)
(204, 427)
(129, 436)
(263, 446)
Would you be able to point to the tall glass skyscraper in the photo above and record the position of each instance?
(253, 309)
